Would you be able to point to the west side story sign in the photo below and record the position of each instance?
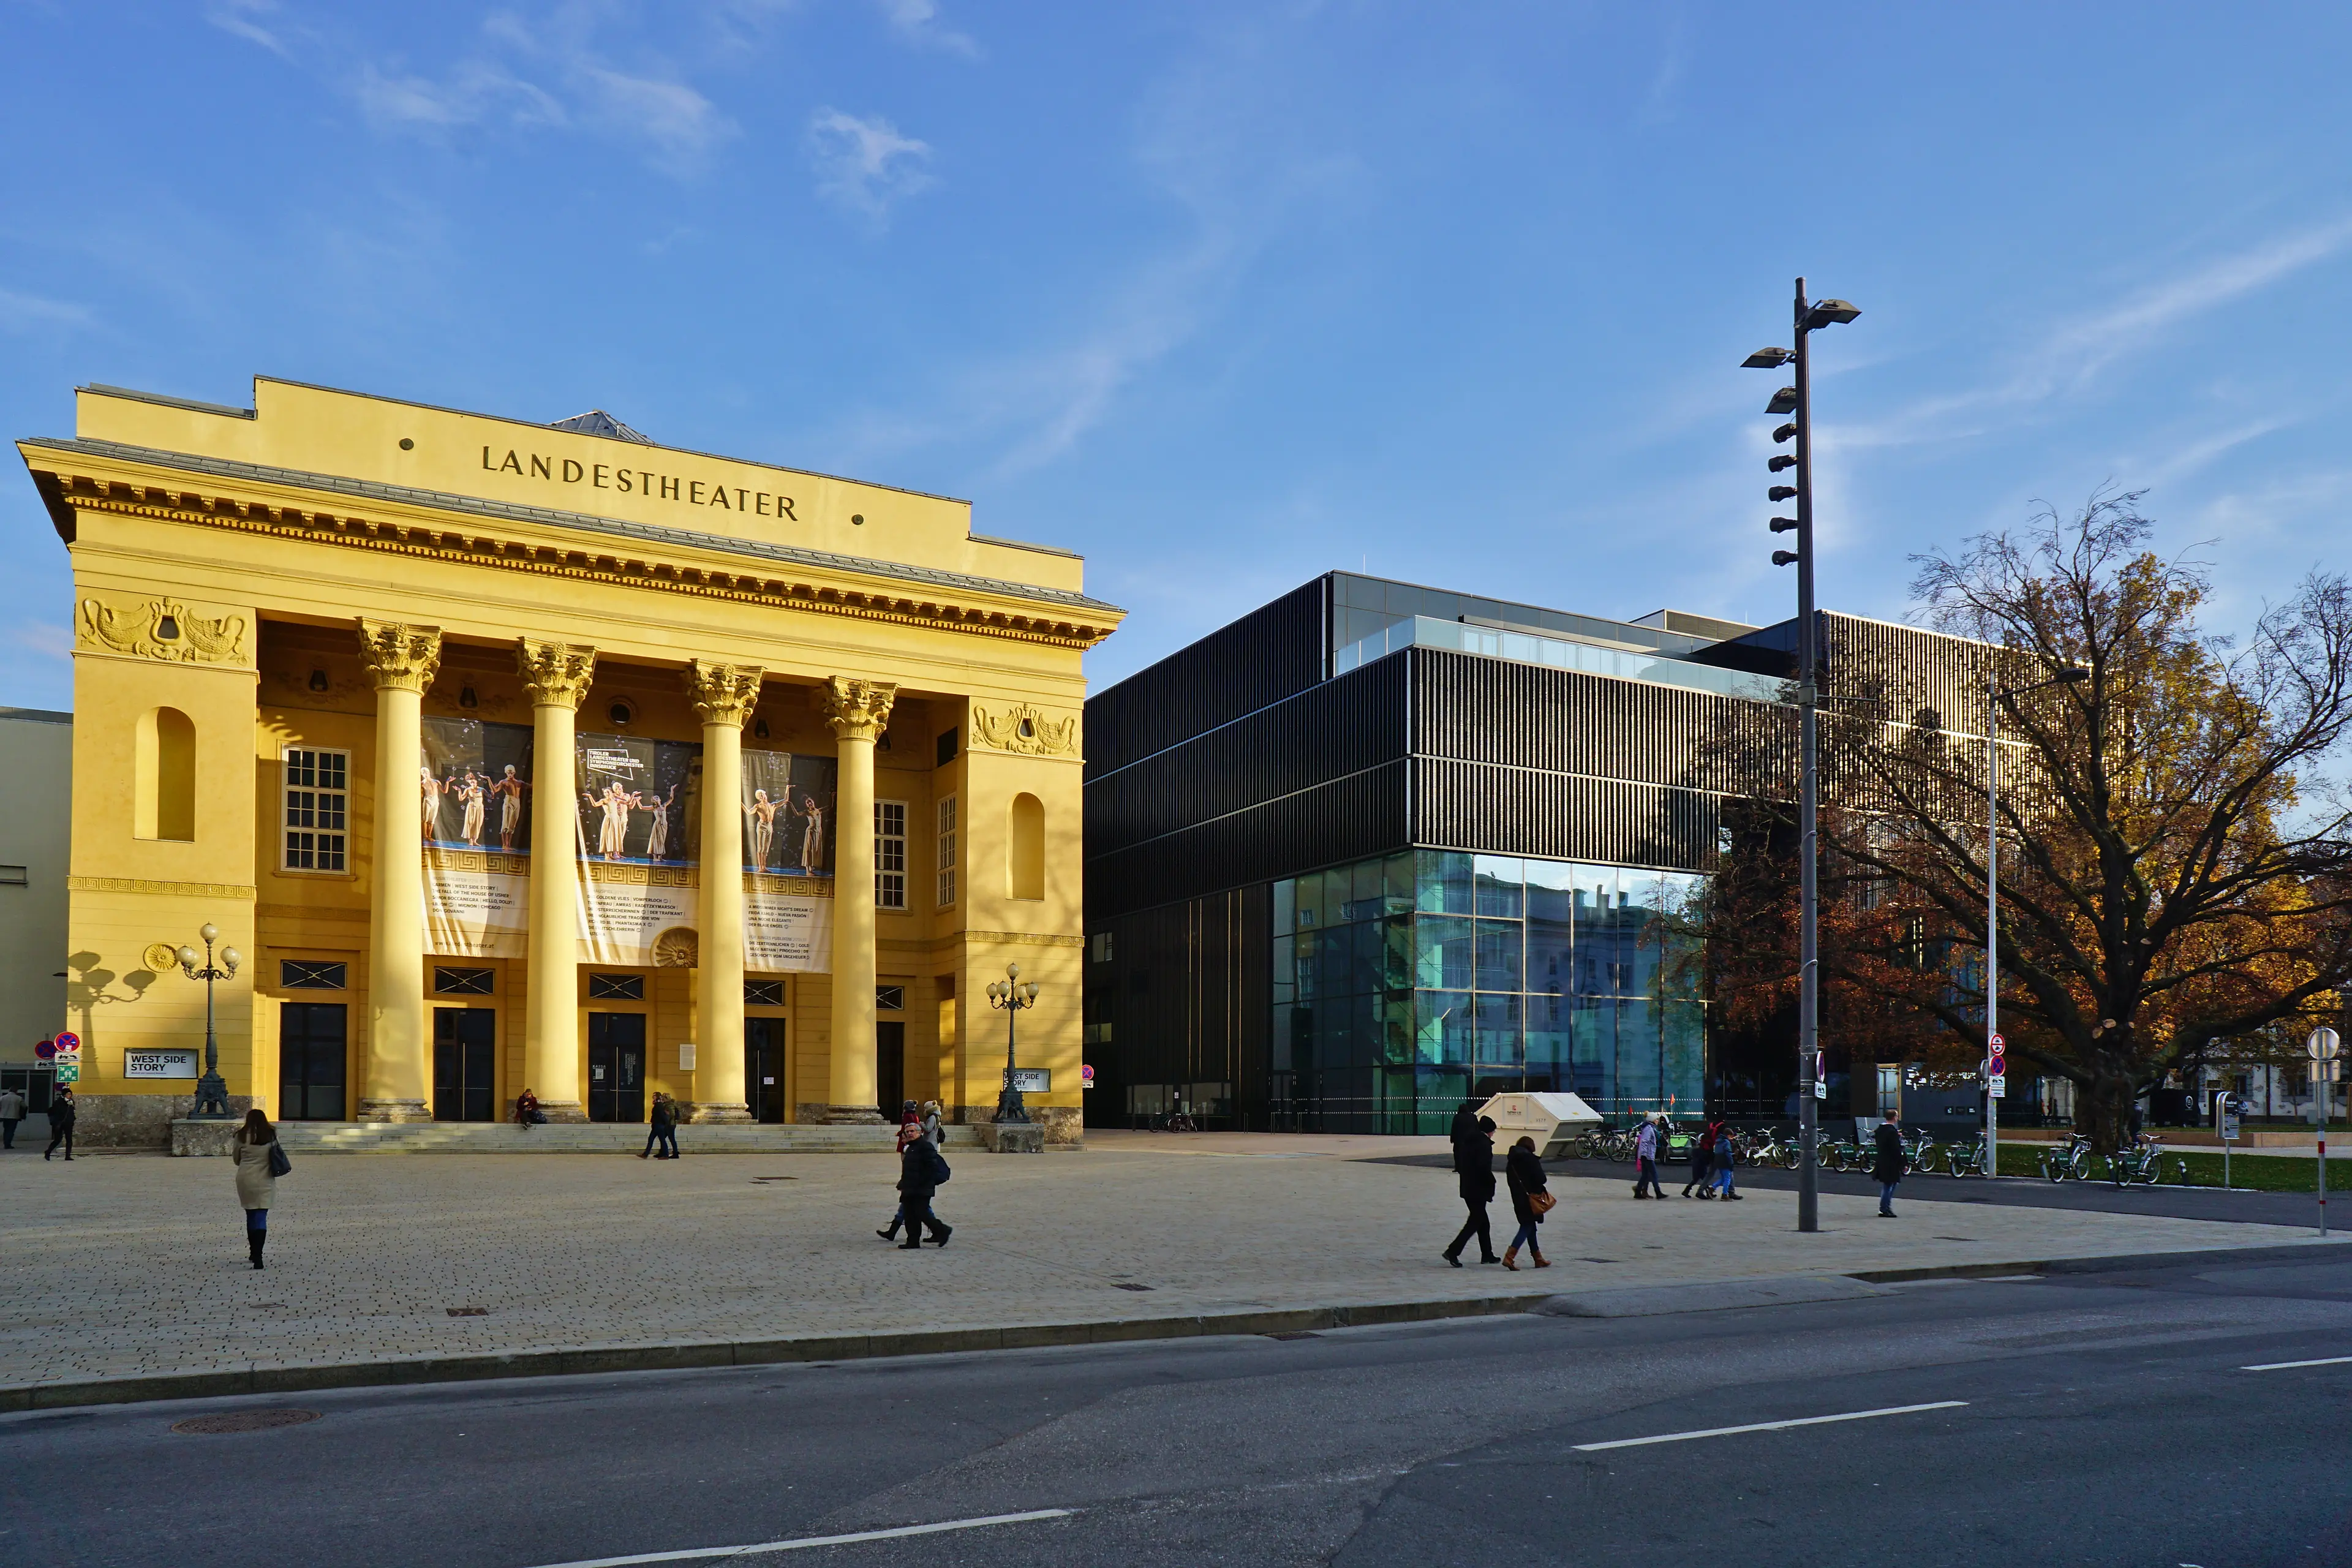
(627, 481)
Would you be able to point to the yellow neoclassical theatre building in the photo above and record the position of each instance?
(523, 757)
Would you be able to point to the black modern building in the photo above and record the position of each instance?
(1375, 846)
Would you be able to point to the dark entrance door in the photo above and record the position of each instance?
(310, 1039)
(616, 1067)
(890, 1068)
(764, 1068)
(464, 1061)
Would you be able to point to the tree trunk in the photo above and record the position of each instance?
(2106, 1111)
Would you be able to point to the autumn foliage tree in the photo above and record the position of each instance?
(2176, 874)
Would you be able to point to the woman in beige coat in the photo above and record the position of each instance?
(255, 1188)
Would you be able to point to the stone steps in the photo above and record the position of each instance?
(590, 1138)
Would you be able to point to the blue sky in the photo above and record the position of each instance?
(1225, 295)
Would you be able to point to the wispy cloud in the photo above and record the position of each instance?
(519, 73)
(866, 165)
(918, 23)
(2068, 355)
(26, 313)
(249, 20)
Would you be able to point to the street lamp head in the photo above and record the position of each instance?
(1767, 359)
(230, 959)
(1783, 433)
(211, 934)
(1783, 524)
(189, 958)
(1784, 558)
(1783, 461)
(1783, 402)
(1779, 492)
(1013, 971)
(1829, 312)
(995, 989)
(2072, 673)
(1029, 993)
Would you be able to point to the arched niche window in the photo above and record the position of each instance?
(1025, 849)
(163, 785)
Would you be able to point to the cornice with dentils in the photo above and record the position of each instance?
(923, 595)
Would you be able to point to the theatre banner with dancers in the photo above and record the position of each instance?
(636, 847)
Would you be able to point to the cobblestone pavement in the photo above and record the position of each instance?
(133, 1264)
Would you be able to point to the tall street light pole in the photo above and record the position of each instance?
(1808, 317)
(1994, 698)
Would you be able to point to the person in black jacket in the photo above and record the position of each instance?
(1524, 1172)
(1886, 1168)
(1474, 1164)
(61, 1121)
(921, 1169)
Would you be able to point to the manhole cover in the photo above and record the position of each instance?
(243, 1421)
(470, 1312)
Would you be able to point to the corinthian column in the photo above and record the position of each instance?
(402, 661)
(855, 711)
(723, 695)
(557, 675)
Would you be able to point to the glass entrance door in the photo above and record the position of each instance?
(616, 1067)
(763, 1069)
(310, 1041)
(890, 1068)
(465, 1058)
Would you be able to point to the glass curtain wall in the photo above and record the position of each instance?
(1403, 985)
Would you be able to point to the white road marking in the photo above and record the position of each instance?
(2285, 1365)
(1765, 1427)
(808, 1540)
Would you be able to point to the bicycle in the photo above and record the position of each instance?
(2072, 1161)
(1965, 1159)
(2143, 1163)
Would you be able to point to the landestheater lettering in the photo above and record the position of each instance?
(641, 481)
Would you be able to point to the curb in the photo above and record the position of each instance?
(407, 1372)
(410, 1371)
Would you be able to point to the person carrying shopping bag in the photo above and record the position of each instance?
(1531, 1200)
(259, 1162)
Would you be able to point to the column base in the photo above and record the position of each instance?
(566, 1111)
(852, 1116)
(700, 1111)
(394, 1110)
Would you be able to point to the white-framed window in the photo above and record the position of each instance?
(889, 854)
(318, 809)
(947, 850)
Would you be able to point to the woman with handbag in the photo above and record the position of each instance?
(1531, 1200)
(259, 1162)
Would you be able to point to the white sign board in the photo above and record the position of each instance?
(2228, 1119)
(1034, 1080)
(1997, 1086)
(159, 1064)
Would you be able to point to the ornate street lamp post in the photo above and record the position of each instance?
(1011, 996)
(212, 1093)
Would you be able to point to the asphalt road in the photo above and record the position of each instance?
(2081, 1419)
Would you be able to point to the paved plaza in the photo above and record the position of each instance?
(136, 1264)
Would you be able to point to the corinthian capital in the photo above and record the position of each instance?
(723, 693)
(556, 674)
(400, 658)
(854, 709)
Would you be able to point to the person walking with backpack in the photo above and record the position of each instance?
(259, 1162)
(1645, 1156)
(664, 1130)
(1886, 1167)
(61, 1121)
(922, 1170)
(1531, 1199)
(1702, 1164)
(1474, 1165)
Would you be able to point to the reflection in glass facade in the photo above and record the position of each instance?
(1403, 985)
